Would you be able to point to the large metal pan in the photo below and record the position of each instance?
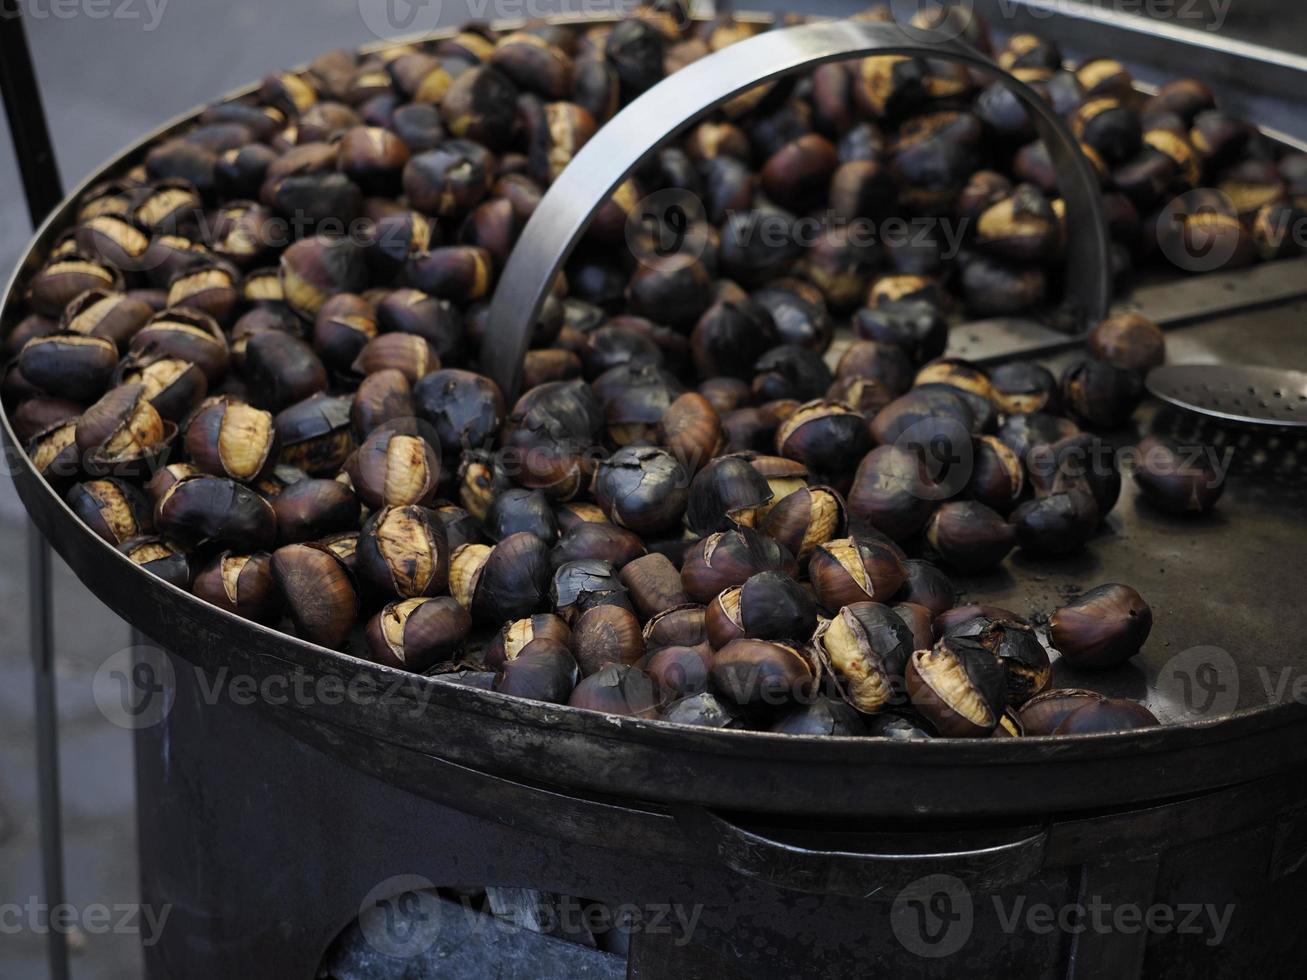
(573, 751)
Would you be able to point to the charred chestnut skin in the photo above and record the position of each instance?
(643, 489)
(969, 536)
(1108, 715)
(866, 646)
(768, 606)
(616, 689)
(241, 584)
(854, 569)
(1101, 629)
(729, 558)
(404, 551)
(1128, 341)
(958, 686)
(318, 593)
(416, 634)
(653, 583)
(606, 634)
(822, 716)
(112, 508)
(544, 670)
(208, 511)
(746, 672)
(313, 509)
(1045, 711)
(892, 491)
(806, 518)
(1174, 480)
(725, 494)
(159, 557)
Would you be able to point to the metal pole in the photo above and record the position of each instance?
(43, 189)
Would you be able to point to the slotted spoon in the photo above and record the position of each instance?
(1244, 394)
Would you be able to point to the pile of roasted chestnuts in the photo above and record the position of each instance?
(250, 366)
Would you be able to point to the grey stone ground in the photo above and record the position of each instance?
(107, 81)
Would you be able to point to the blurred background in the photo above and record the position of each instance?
(110, 73)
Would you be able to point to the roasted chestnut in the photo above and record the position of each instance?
(726, 493)
(893, 492)
(958, 686)
(866, 647)
(1103, 628)
(515, 635)
(804, 519)
(997, 476)
(1107, 715)
(72, 366)
(578, 586)
(1045, 711)
(122, 433)
(643, 489)
(318, 593)
(606, 634)
(113, 509)
(692, 430)
(679, 626)
(211, 511)
(416, 634)
(768, 606)
(729, 558)
(241, 584)
(315, 434)
(465, 409)
(849, 570)
(917, 327)
(653, 582)
(760, 672)
(311, 509)
(1018, 387)
(1018, 648)
(1057, 524)
(503, 583)
(821, 716)
(395, 465)
(731, 335)
(925, 585)
(616, 689)
(315, 269)
(1100, 394)
(229, 438)
(404, 551)
(1175, 480)
(159, 557)
(543, 670)
(516, 510)
(826, 437)
(969, 536)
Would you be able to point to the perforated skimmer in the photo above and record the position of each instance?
(1235, 393)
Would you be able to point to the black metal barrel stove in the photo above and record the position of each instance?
(264, 828)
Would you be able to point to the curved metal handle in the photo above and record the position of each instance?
(852, 873)
(632, 136)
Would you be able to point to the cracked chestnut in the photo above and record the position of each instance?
(729, 558)
(604, 635)
(958, 686)
(768, 606)
(241, 584)
(854, 569)
(866, 647)
(746, 672)
(417, 634)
